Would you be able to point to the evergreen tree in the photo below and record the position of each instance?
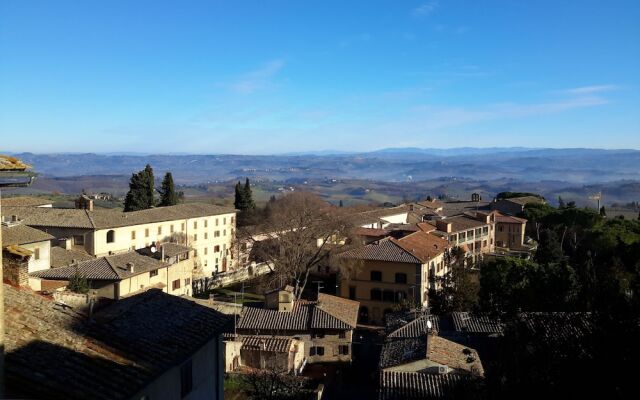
(603, 212)
(250, 205)
(168, 195)
(239, 199)
(561, 202)
(549, 249)
(140, 194)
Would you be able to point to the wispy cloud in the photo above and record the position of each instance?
(258, 79)
(425, 9)
(594, 89)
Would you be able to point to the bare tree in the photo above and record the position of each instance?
(276, 385)
(300, 234)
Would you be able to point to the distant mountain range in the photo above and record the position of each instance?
(576, 166)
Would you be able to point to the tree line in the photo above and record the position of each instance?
(141, 194)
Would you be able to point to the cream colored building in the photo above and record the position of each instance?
(208, 229)
(118, 276)
(391, 270)
(510, 232)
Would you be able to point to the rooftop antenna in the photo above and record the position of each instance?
(597, 197)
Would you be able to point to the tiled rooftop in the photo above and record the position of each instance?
(419, 386)
(24, 201)
(54, 353)
(21, 234)
(383, 250)
(474, 323)
(62, 257)
(105, 219)
(423, 245)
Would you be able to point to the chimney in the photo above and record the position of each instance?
(130, 267)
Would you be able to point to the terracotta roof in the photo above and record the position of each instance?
(110, 268)
(402, 351)
(454, 355)
(337, 307)
(52, 352)
(416, 328)
(373, 232)
(426, 226)
(105, 219)
(524, 200)
(423, 245)
(62, 257)
(463, 222)
(21, 234)
(8, 163)
(386, 249)
(475, 323)
(274, 344)
(376, 215)
(25, 201)
(396, 385)
(329, 312)
(258, 318)
(507, 219)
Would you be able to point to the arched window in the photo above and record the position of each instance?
(111, 236)
(376, 294)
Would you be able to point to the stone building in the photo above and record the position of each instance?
(325, 326)
(149, 346)
(208, 229)
(24, 250)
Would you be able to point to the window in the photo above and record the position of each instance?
(206, 236)
(376, 294)
(224, 232)
(342, 335)
(36, 254)
(206, 223)
(317, 335)
(216, 234)
(401, 277)
(343, 349)
(153, 273)
(146, 232)
(376, 276)
(320, 350)
(133, 235)
(485, 230)
(217, 221)
(111, 236)
(312, 351)
(159, 230)
(224, 221)
(470, 234)
(78, 240)
(206, 251)
(452, 238)
(387, 295)
(462, 236)
(216, 249)
(182, 226)
(195, 224)
(186, 378)
(195, 237)
(195, 253)
(187, 281)
(352, 292)
(232, 220)
(171, 228)
(175, 284)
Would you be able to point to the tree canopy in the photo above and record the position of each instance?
(141, 191)
(168, 195)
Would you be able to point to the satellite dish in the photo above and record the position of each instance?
(429, 325)
(153, 249)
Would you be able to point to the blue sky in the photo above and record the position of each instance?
(261, 77)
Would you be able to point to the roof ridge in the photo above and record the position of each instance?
(332, 315)
(113, 268)
(397, 243)
(93, 225)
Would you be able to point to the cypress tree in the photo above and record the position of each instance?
(168, 195)
(560, 202)
(140, 194)
(148, 173)
(603, 212)
(239, 201)
(250, 205)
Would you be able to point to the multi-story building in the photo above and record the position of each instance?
(515, 205)
(24, 250)
(510, 231)
(208, 229)
(392, 270)
(114, 277)
(325, 326)
(148, 346)
(475, 235)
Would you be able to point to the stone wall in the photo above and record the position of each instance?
(16, 269)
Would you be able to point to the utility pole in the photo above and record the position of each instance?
(13, 173)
